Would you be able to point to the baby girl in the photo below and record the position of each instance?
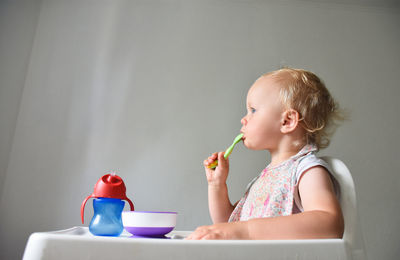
(291, 114)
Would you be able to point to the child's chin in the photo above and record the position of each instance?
(252, 146)
(248, 145)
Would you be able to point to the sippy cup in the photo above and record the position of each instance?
(108, 195)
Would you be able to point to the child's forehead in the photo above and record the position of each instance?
(265, 89)
(267, 83)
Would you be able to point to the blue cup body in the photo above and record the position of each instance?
(107, 219)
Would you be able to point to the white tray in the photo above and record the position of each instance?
(78, 243)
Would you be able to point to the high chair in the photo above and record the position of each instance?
(352, 236)
(78, 243)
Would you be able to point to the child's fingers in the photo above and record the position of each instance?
(199, 233)
(214, 156)
(210, 159)
(222, 162)
(207, 163)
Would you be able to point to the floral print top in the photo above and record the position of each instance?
(271, 194)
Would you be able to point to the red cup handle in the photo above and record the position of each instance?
(83, 206)
(130, 203)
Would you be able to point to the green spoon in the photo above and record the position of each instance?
(228, 151)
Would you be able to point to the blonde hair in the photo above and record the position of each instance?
(306, 93)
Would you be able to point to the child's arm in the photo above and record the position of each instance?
(218, 199)
(322, 216)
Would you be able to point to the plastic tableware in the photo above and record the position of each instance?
(228, 151)
(109, 193)
(149, 223)
(106, 219)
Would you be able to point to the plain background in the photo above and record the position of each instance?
(151, 88)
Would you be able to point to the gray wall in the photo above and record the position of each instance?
(150, 88)
(18, 21)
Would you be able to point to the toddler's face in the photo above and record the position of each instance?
(262, 123)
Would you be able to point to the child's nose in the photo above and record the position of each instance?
(243, 121)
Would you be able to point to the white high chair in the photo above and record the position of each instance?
(78, 243)
(352, 236)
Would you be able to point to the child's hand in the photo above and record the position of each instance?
(232, 230)
(217, 176)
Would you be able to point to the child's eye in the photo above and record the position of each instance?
(253, 110)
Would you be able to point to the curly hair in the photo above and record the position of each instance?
(306, 93)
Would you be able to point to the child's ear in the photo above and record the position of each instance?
(289, 121)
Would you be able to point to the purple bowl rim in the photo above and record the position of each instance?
(166, 212)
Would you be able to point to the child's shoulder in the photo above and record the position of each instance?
(309, 161)
(312, 160)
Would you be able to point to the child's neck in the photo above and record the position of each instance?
(284, 152)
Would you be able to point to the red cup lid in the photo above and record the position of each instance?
(108, 186)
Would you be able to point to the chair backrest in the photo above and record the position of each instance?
(347, 196)
(348, 202)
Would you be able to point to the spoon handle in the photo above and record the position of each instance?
(227, 152)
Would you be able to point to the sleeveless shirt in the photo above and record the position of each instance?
(272, 193)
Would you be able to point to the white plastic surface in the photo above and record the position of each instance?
(78, 243)
(348, 202)
(148, 219)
